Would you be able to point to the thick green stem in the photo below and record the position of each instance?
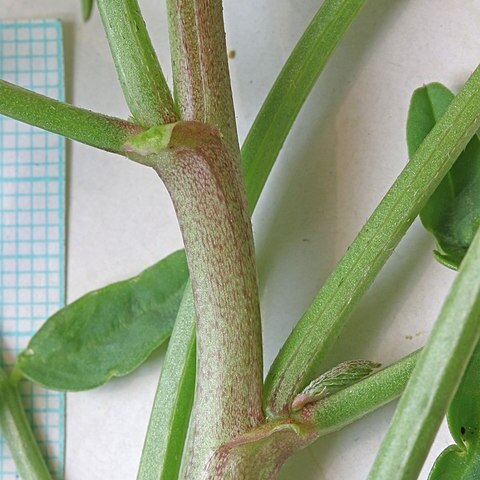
(18, 434)
(205, 184)
(320, 326)
(144, 86)
(200, 65)
(435, 378)
(84, 126)
(280, 109)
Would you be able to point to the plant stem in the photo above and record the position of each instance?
(435, 378)
(320, 326)
(200, 65)
(259, 153)
(164, 442)
(204, 182)
(144, 86)
(100, 131)
(18, 434)
(203, 93)
(290, 90)
(261, 452)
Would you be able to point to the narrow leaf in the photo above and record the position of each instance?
(87, 127)
(167, 429)
(290, 90)
(452, 214)
(435, 378)
(144, 86)
(109, 332)
(321, 324)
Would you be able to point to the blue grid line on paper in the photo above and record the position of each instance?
(32, 223)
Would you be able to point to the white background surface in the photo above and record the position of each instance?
(345, 150)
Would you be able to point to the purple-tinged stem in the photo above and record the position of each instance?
(204, 182)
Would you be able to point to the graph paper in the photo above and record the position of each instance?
(32, 223)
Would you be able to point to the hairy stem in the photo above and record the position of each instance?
(205, 184)
(352, 403)
(261, 452)
(100, 131)
(144, 86)
(200, 65)
(320, 326)
(259, 153)
(18, 434)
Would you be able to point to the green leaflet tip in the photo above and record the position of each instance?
(447, 260)
(452, 213)
(87, 7)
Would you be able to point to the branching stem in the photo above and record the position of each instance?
(95, 129)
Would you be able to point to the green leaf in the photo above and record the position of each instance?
(452, 213)
(320, 326)
(109, 332)
(354, 401)
(87, 7)
(292, 86)
(452, 216)
(462, 461)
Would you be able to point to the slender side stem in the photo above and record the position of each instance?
(200, 65)
(164, 442)
(261, 452)
(352, 403)
(320, 326)
(144, 86)
(100, 131)
(205, 185)
(290, 90)
(18, 434)
(435, 378)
